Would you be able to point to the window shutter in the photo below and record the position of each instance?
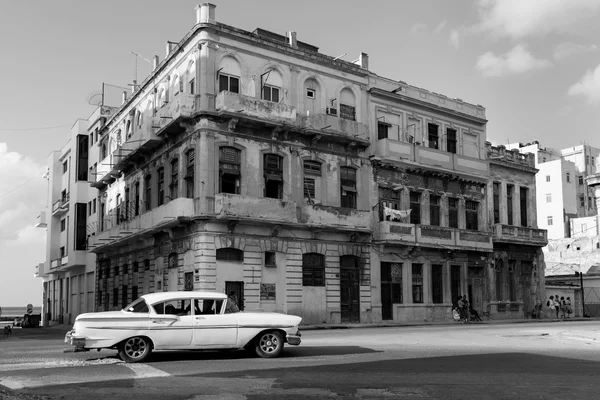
(230, 155)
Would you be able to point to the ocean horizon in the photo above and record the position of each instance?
(19, 310)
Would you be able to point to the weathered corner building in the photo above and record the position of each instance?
(240, 166)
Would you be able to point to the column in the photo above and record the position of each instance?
(517, 205)
(447, 283)
(444, 216)
(425, 215)
(407, 281)
(427, 283)
(503, 204)
(462, 216)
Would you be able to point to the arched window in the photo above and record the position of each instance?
(162, 98)
(174, 186)
(348, 187)
(176, 85)
(160, 200)
(273, 174)
(139, 118)
(189, 174)
(230, 160)
(148, 188)
(128, 130)
(311, 96)
(191, 77)
(229, 254)
(271, 86)
(119, 139)
(347, 104)
(229, 75)
(313, 269)
(103, 151)
(172, 260)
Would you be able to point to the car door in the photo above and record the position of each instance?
(211, 328)
(171, 324)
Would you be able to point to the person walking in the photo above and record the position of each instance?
(568, 307)
(556, 306)
(550, 305)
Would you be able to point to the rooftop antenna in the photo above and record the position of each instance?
(94, 98)
(143, 58)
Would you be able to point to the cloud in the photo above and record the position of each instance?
(454, 38)
(22, 196)
(516, 61)
(438, 29)
(566, 49)
(588, 86)
(417, 28)
(523, 18)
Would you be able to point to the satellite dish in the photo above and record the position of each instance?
(94, 98)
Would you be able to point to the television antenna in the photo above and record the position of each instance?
(95, 98)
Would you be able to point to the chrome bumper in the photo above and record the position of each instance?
(294, 340)
(78, 343)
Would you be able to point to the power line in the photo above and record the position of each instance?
(18, 187)
(34, 129)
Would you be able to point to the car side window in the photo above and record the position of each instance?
(173, 307)
(139, 306)
(208, 306)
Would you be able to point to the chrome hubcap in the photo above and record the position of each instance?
(269, 343)
(135, 347)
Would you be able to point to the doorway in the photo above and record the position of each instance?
(237, 289)
(350, 289)
(475, 288)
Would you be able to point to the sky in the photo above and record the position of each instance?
(533, 64)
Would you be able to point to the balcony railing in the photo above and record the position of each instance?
(334, 127)
(180, 107)
(233, 206)
(400, 149)
(520, 235)
(254, 108)
(334, 217)
(434, 236)
(61, 205)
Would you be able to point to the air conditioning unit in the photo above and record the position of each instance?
(331, 111)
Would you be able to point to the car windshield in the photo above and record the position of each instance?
(138, 306)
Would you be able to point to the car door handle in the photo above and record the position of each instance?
(158, 322)
(200, 317)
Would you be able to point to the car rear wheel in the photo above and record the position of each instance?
(135, 349)
(269, 344)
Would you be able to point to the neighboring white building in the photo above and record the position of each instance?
(562, 192)
(69, 269)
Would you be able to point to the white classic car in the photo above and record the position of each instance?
(183, 321)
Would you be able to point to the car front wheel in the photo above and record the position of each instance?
(269, 344)
(135, 349)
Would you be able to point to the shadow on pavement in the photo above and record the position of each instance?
(288, 352)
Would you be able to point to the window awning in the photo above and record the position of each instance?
(348, 188)
(274, 177)
(230, 171)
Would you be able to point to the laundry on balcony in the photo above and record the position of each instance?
(395, 215)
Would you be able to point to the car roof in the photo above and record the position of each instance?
(163, 296)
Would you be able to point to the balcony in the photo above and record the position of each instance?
(41, 220)
(520, 235)
(233, 206)
(120, 225)
(60, 206)
(334, 217)
(55, 264)
(334, 128)
(398, 149)
(255, 109)
(433, 236)
(167, 119)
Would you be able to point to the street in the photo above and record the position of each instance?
(541, 360)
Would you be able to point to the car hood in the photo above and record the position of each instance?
(267, 318)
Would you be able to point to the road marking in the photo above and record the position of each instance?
(145, 371)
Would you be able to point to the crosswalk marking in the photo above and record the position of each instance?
(145, 371)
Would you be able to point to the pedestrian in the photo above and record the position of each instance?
(460, 305)
(563, 307)
(568, 306)
(556, 304)
(474, 314)
(466, 309)
(550, 305)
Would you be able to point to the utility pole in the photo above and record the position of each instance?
(582, 292)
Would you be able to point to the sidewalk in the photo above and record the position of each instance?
(61, 330)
